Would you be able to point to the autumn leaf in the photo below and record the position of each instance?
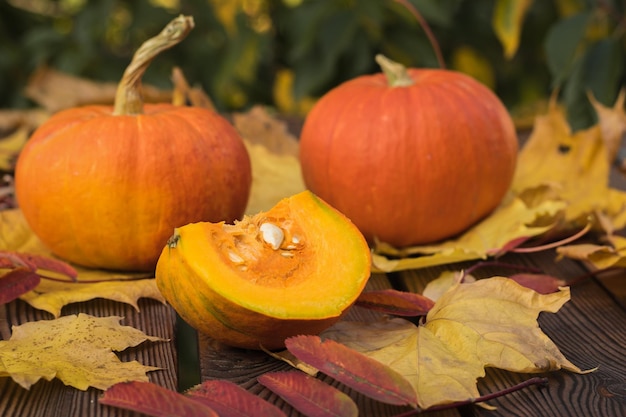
(572, 167)
(354, 370)
(274, 159)
(612, 123)
(490, 322)
(507, 21)
(541, 283)
(606, 256)
(310, 396)
(512, 220)
(230, 400)
(10, 147)
(76, 349)
(465, 317)
(447, 279)
(153, 400)
(398, 303)
(17, 282)
(52, 296)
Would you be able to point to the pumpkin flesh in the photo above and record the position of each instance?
(414, 164)
(228, 282)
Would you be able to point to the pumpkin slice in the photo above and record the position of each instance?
(294, 269)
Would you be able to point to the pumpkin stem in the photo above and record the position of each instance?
(128, 98)
(397, 75)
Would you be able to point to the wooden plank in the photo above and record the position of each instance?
(53, 398)
(244, 366)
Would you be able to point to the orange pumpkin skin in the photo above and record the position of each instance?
(106, 191)
(412, 164)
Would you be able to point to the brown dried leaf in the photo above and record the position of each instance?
(55, 90)
(153, 400)
(354, 369)
(230, 400)
(310, 396)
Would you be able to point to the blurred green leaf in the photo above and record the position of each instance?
(562, 42)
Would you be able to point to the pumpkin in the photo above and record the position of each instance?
(411, 156)
(104, 186)
(294, 269)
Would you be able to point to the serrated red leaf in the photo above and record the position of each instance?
(354, 369)
(16, 282)
(230, 400)
(542, 283)
(398, 303)
(309, 395)
(154, 400)
(9, 259)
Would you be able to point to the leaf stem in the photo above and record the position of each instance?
(479, 265)
(554, 244)
(541, 381)
(426, 28)
(128, 98)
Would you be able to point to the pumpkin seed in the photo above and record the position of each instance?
(272, 235)
(235, 258)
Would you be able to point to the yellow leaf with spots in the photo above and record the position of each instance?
(52, 296)
(78, 350)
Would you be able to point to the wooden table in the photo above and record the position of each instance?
(590, 330)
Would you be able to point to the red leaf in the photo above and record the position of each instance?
(17, 282)
(34, 262)
(543, 284)
(309, 395)
(230, 400)
(354, 369)
(399, 303)
(154, 400)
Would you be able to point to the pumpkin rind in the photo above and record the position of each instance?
(413, 164)
(271, 296)
(105, 190)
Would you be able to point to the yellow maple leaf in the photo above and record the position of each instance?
(52, 296)
(76, 349)
(513, 219)
(558, 164)
(488, 323)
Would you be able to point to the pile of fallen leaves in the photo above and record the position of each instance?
(560, 192)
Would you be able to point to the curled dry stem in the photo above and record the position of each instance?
(128, 98)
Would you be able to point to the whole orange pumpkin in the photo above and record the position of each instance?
(411, 156)
(105, 186)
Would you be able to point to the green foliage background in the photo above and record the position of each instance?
(285, 52)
